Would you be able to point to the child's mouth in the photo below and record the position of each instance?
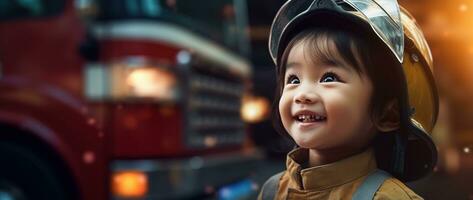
(309, 118)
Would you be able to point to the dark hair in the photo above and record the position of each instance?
(366, 56)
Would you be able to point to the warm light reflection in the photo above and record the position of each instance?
(210, 141)
(463, 7)
(129, 184)
(254, 109)
(466, 150)
(452, 160)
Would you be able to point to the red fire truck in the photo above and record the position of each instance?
(118, 99)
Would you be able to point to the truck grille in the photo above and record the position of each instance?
(213, 110)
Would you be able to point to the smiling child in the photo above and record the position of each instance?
(356, 94)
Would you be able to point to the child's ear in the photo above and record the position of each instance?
(390, 118)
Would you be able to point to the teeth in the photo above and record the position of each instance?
(310, 118)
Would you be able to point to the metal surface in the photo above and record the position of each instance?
(382, 15)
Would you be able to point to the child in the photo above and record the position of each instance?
(356, 94)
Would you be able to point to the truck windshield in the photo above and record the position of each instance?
(223, 21)
(17, 9)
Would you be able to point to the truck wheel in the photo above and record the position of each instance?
(25, 175)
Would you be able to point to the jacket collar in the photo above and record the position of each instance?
(329, 175)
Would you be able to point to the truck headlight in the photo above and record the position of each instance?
(132, 79)
(151, 82)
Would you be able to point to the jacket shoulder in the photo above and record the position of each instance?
(393, 188)
(270, 187)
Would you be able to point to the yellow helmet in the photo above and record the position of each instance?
(418, 68)
(416, 155)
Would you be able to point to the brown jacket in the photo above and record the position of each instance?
(334, 181)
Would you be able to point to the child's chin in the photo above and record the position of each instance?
(307, 144)
(308, 141)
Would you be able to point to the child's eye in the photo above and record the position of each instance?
(329, 77)
(292, 79)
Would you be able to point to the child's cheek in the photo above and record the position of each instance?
(340, 112)
(285, 111)
(347, 113)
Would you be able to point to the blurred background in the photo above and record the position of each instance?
(170, 99)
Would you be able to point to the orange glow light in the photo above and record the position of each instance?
(254, 109)
(129, 184)
(463, 7)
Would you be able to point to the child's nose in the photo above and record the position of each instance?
(306, 97)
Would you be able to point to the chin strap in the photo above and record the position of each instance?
(399, 154)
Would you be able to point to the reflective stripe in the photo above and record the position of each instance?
(271, 186)
(370, 185)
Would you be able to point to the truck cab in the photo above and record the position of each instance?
(138, 99)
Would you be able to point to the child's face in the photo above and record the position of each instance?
(325, 105)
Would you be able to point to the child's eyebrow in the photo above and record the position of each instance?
(330, 62)
(326, 63)
(292, 64)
